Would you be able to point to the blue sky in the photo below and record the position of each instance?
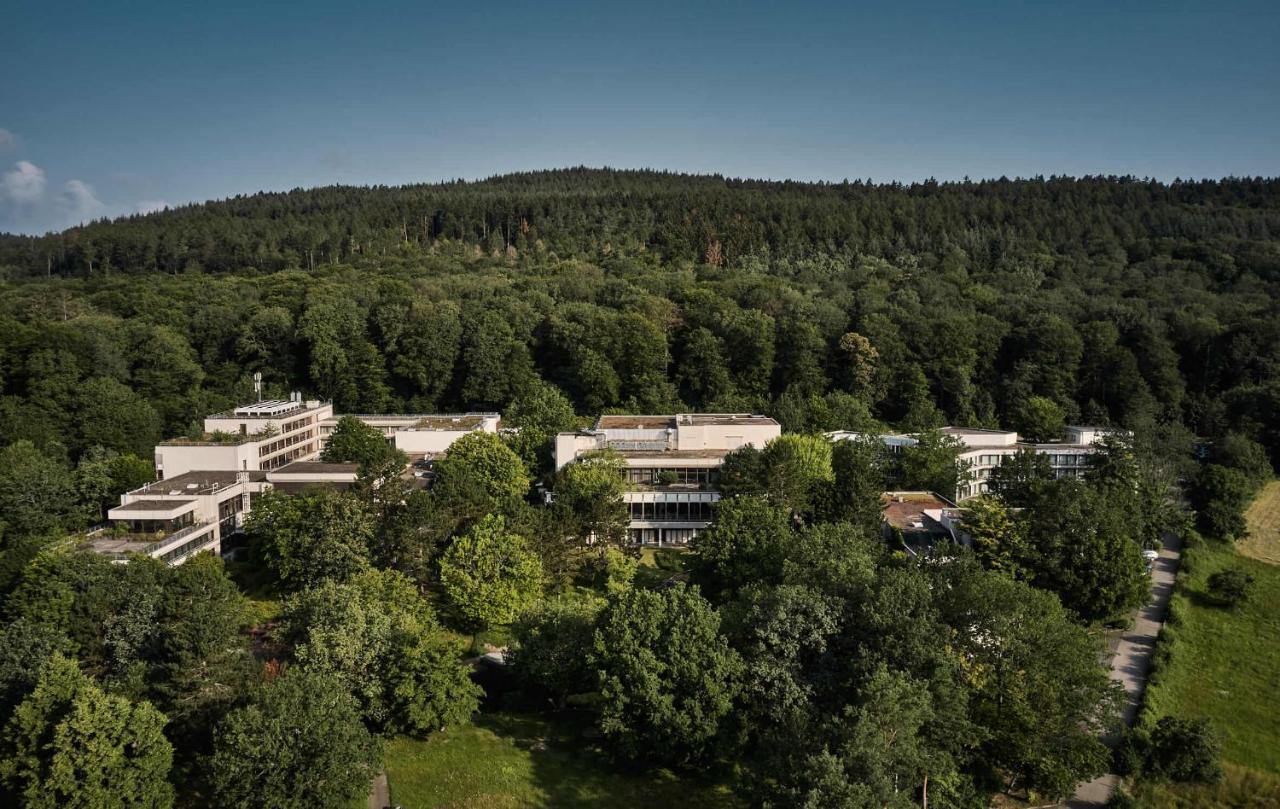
(110, 108)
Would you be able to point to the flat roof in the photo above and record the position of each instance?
(723, 419)
(466, 421)
(196, 482)
(642, 422)
(421, 421)
(271, 409)
(316, 468)
(113, 544)
(153, 505)
(635, 422)
(300, 486)
(209, 440)
(903, 510)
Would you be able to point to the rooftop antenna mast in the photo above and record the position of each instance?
(257, 384)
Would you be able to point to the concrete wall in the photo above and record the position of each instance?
(176, 459)
(570, 445)
(419, 442)
(725, 436)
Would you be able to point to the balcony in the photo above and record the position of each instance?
(119, 547)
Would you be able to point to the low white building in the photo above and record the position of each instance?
(206, 486)
(420, 435)
(672, 465)
(174, 518)
(984, 450)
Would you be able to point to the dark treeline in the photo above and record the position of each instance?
(585, 212)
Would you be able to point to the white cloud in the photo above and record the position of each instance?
(8, 140)
(79, 203)
(151, 206)
(24, 183)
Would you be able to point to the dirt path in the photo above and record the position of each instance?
(1132, 660)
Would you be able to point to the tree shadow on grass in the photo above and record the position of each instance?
(572, 770)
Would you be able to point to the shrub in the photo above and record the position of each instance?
(1122, 800)
(1130, 755)
(1230, 587)
(610, 572)
(1185, 750)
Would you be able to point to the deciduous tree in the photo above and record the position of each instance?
(667, 677)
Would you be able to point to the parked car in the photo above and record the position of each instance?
(1149, 556)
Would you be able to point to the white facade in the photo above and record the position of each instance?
(987, 449)
(253, 438)
(671, 465)
(206, 486)
(420, 434)
(174, 518)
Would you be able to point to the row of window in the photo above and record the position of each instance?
(1055, 459)
(296, 424)
(661, 536)
(185, 549)
(1073, 459)
(281, 443)
(670, 476)
(288, 457)
(162, 526)
(695, 511)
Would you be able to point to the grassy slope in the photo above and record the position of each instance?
(1263, 543)
(517, 760)
(1226, 667)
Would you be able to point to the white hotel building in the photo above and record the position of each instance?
(984, 450)
(672, 465)
(205, 487)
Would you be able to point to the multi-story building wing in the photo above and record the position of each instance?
(984, 450)
(252, 438)
(206, 486)
(672, 465)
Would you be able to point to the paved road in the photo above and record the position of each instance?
(1131, 661)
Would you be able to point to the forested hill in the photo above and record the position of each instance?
(591, 212)
(1006, 303)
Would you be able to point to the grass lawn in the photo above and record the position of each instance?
(525, 760)
(1226, 667)
(1263, 542)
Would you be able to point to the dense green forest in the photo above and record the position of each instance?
(791, 653)
(829, 306)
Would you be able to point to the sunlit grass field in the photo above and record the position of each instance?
(508, 760)
(1226, 667)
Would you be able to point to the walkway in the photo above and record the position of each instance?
(379, 795)
(1131, 661)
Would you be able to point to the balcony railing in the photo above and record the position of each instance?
(150, 548)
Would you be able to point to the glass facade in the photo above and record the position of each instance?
(671, 476)
(677, 511)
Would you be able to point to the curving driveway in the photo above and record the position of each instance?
(1131, 661)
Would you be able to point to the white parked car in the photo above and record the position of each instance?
(1149, 556)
